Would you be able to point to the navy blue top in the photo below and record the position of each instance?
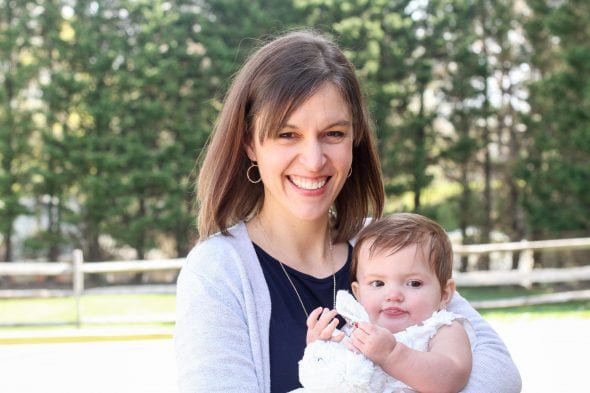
(287, 319)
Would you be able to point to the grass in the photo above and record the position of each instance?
(574, 309)
(491, 293)
(49, 311)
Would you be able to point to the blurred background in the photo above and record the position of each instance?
(481, 109)
(482, 112)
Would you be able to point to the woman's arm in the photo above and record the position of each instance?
(493, 370)
(213, 342)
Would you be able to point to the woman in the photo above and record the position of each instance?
(289, 177)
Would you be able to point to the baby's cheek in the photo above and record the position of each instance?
(373, 315)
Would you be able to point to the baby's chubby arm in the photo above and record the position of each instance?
(321, 325)
(444, 368)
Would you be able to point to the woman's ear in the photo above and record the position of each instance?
(250, 150)
(447, 293)
(250, 143)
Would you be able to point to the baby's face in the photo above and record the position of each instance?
(397, 290)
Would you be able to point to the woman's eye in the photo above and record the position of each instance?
(376, 283)
(286, 135)
(334, 135)
(414, 283)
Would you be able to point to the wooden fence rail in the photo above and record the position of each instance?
(582, 243)
(525, 275)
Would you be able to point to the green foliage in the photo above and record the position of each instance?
(105, 106)
(556, 169)
(17, 71)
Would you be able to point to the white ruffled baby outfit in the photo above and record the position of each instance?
(328, 366)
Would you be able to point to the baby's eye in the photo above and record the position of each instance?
(414, 283)
(377, 283)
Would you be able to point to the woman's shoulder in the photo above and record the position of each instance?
(222, 250)
(226, 261)
(236, 236)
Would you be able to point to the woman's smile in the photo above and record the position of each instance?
(310, 184)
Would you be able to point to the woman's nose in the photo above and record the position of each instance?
(312, 154)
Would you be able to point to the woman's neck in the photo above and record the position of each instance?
(303, 245)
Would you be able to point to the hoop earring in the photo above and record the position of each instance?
(248, 173)
(332, 213)
(349, 172)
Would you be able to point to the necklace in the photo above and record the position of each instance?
(291, 281)
(297, 292)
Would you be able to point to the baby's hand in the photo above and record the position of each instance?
(321, 325)
(373, 341)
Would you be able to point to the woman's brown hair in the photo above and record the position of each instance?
(273, 83)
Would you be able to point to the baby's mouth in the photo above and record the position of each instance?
(394, 311)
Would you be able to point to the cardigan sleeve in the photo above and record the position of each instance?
(493, 369)
(213, 338)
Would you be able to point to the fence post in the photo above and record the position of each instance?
(78, 281)
(526, 263)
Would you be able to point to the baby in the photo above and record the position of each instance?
(401, 275)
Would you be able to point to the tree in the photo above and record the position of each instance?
(160, 125)
(52, 172)
(510, 72)
(556, 169)
(18, 68)
(459, 68)
(485, 93)
(90, 54)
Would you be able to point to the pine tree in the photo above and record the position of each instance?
(18, 67)
(557, 167)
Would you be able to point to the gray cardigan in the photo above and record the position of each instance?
(223, 315)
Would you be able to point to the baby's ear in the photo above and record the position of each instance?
(355, 289)
(447, 293)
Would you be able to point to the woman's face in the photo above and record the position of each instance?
(304, 166)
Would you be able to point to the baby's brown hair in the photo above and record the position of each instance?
(394, 232)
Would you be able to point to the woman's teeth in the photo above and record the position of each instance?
(308, 184)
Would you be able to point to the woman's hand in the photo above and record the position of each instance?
(373, 341)
(321, 325)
